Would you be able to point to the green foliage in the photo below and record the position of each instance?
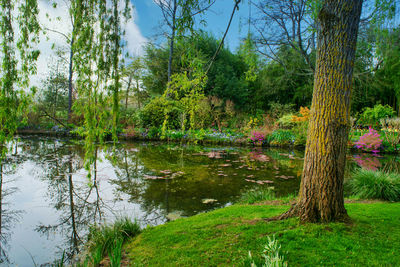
(300, 132)
(291, 84)
(14, 77)
(369, 184)
(187, 89)
(115, 254)
(372, 116)
(160, 108)
(281, 137)
(97, 45)
(108, 239)
(226, 78)
(286, 121)
(254, 196)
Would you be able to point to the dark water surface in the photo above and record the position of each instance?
(48, 201)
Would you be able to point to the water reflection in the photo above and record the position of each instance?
(152, 182)
(8, 216)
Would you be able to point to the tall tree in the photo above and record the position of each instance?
(321, 190)
(179, 17)
(285, 22)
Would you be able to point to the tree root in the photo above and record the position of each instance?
(292, 212)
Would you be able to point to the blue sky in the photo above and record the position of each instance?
(148, 18)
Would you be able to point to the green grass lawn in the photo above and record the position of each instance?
(225, 236)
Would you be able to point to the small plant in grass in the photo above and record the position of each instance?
(369, 184)
(271, 255)
(370, 141)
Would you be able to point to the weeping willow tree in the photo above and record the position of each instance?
(98, 45)
(17, 62)
(18, 57)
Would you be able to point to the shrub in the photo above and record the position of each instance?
(286, 121)
(371, 184)
(370, 141)
(155, 112)
(304, 115)
(372, 116)
(256, 137)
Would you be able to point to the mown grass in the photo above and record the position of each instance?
(225, 236)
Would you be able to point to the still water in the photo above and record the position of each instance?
(48, 201)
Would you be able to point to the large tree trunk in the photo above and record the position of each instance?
(321, 189)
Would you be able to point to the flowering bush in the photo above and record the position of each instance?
(256, 137)
(370, 141)
(305, 115)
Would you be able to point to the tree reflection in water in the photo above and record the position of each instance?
(79, 204)
(8, 216)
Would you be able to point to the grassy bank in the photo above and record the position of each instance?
(225, 236)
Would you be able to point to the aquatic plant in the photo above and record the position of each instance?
(104, 239)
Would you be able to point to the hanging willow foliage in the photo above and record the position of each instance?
(17, 63)
(98, 47)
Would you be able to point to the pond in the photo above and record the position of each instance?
(48, 201)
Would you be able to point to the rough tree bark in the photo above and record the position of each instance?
(321, 190)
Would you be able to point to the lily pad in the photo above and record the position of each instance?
(208, 200)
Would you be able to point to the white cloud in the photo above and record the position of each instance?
(60, 21)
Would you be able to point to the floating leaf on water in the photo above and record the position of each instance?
(177, 174)
(213, 154)
(259, 182)
(285, 177)
(225, 165)
(152, 177)
(208, 200)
